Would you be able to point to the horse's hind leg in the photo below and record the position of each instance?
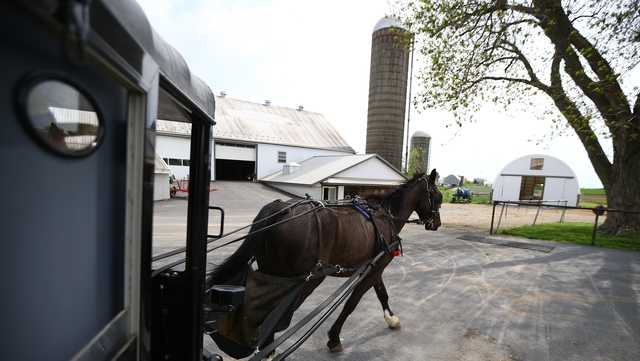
(392, 320)
(334, 343)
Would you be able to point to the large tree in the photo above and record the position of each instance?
(577, 54)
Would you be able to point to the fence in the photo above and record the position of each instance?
(557, 210)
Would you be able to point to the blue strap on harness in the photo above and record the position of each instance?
(362, 211)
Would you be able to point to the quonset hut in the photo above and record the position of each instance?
(388, 90)
(537, 177)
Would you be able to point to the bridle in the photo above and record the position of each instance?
(433, 210)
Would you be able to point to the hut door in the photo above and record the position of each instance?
(532, 188)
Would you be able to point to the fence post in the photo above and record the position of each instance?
(595, 228)
(535, 219)
(493, 216)
(500, 218)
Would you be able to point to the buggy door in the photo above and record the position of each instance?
(63, 145)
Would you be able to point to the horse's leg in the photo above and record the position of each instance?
(334, 343)
(392, 320)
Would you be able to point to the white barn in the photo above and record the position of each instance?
(252, 140)
(537, 177)
(336, 176)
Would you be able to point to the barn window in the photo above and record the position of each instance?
(536, 163)
(282, 157)
(173, 161)
(166, 160)
(185, 162)
(330, 193)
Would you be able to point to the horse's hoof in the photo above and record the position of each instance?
(271, 356)
(334, 346)
(392, 321)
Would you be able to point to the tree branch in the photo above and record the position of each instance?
(497, 78)
(578, 122)
(523, 59)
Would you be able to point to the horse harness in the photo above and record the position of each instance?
(324, 268)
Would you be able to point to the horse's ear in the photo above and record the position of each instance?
(433, 176)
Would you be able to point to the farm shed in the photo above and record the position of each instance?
(335, 177)
(537, 177)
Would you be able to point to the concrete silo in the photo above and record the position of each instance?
(421, 145)
(390, 50)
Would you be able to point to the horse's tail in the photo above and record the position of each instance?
(239, 260)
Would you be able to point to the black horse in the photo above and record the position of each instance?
(338, 236)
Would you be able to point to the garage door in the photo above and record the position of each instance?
(235, 161)
(236, 152)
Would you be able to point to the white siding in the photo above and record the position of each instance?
(268, 156)
(174, 147)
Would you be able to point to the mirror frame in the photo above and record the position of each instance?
(24, 88)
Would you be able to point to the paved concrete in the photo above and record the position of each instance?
(240, 200)
(462, 300)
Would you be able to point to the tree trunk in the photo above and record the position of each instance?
(623, 193)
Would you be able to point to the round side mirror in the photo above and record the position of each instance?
(61, 117)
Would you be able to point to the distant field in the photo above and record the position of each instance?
(593, 192)
(592, 197)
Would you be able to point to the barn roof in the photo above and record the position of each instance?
(248, 121)
(245, 121)
(320, 168)
(551, 167)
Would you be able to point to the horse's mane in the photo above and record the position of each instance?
(393, 197)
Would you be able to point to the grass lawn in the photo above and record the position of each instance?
(592, 191)
(578, 233)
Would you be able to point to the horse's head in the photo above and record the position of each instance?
(428, 207)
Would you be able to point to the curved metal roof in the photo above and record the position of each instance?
(388, 22)
(420, 134)
(172, 65)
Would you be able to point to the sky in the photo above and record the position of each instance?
(317, 54)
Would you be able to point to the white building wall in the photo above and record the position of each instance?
(268, 156)
(560, 189)
(174, 147)
(507, 188)
(300, 190)
(160, 186)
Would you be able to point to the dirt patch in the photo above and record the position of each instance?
(478, 216)
(478, 347)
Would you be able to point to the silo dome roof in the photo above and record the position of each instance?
(420, 134)
(388, 22)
